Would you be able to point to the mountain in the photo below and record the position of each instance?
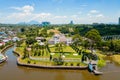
(112, 23)
(30, 22)
(22, 23)
(33, 22)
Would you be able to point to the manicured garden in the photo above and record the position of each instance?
(52, 57)
(43, 56)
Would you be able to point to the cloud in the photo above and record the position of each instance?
(94, 11)
(26, 8)
(95, 14)
(43, 15)
(74, 16)
(80, 12)
(100, 16)
(26, 14)
(60, 17)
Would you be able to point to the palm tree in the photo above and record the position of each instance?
(59, 47)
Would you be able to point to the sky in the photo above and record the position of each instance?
(60, 11)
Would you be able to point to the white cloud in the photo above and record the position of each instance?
(79, 12)
(42, 15)
(60, 17)
(95, 14)
(74, 16)
(26, 8)
(26, 14)
(94, 11)
(100, 16)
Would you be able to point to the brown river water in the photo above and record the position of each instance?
(10, 71)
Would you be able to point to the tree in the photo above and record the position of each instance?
(30, 40)
(115, 45)
(51, 34)
(94, 38)
(59, 47)
(43, 33)
(22, 30)
(85, 44)
(19, 43)
(77, 40)
(26, 53)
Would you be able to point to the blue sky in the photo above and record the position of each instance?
(60, 11)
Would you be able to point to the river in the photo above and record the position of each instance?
(10, 71)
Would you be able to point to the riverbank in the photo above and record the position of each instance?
(5, 48)
(3, 56)
(116, 58)
(47, 66)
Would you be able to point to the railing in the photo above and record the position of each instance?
(111, 37)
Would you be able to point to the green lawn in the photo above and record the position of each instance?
(66, 49)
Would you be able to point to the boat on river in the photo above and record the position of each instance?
(93, 68)
(97, 72)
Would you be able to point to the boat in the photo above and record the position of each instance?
(92, 68)
(97, 72)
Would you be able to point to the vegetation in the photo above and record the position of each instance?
(85, 40)
(116, 58)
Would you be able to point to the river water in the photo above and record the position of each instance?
(10, 71)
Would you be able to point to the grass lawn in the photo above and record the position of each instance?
(20, 50)
(35, 62)
(116, 58)
(65, 50)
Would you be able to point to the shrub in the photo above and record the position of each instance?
(34, 62)
(71, 64)
(58, 61)
(66, 64)
(28, 62)
(101, 63)
(78, 64)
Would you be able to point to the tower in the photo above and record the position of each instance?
(71, 22)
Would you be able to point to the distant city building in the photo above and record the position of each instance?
(95, 24)
(119, 20)
(45, 23)
(71, 22)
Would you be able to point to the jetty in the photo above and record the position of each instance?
(92, 67)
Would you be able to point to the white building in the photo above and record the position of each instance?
(60, 38)
(16, 39)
